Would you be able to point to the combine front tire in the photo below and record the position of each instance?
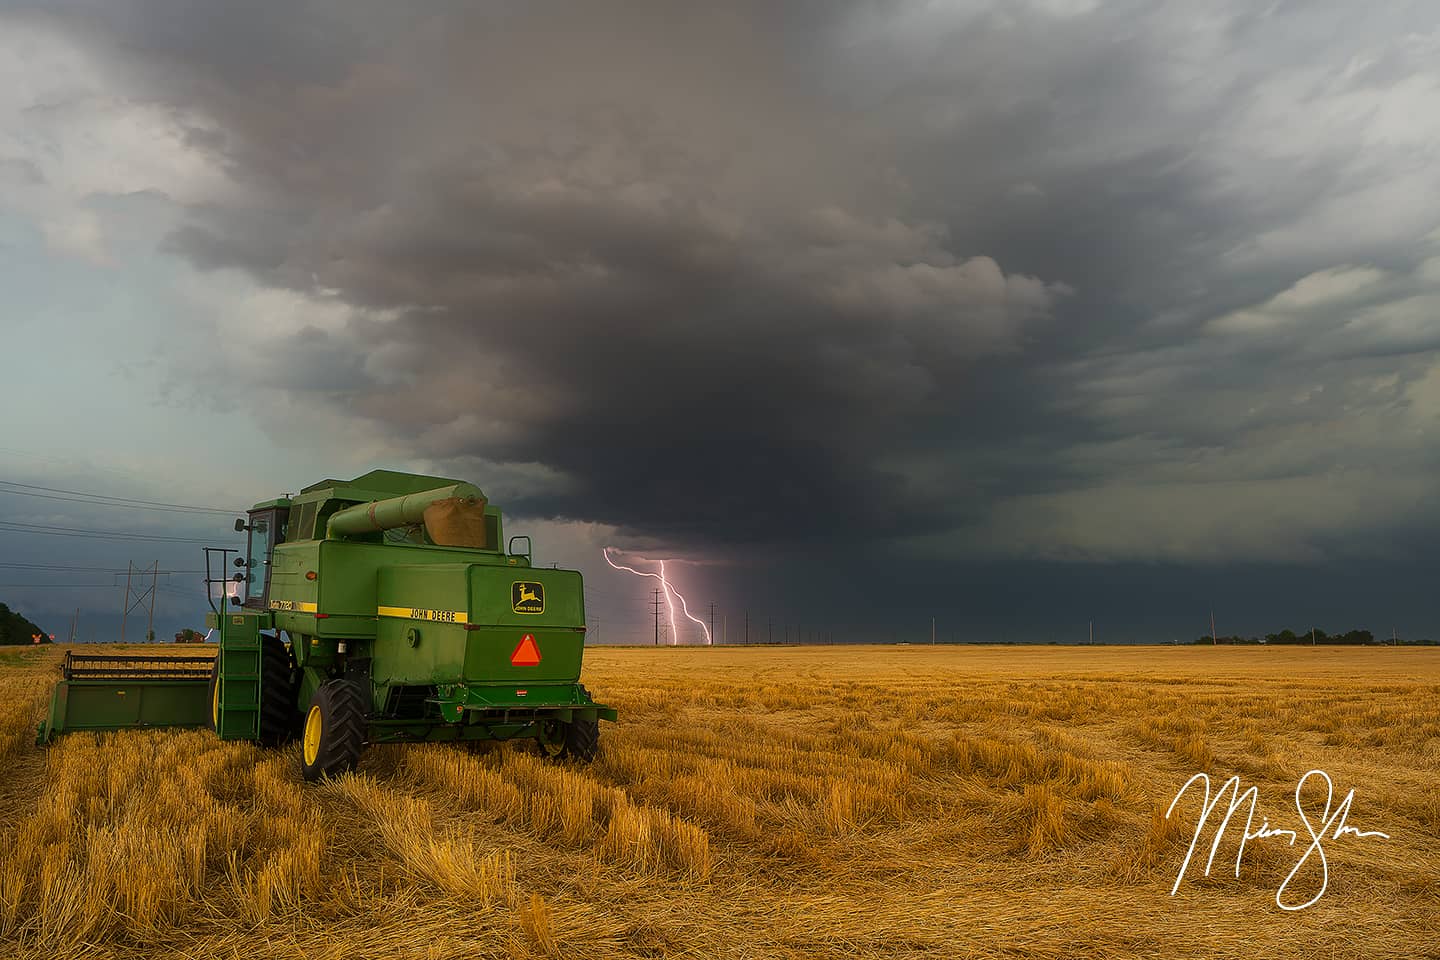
(334, 730)
(277, 692)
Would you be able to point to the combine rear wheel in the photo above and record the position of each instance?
(578, 740)
(334, 730)
(582, 740)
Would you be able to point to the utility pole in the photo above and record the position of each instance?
(1092, 633)
(74, 623)
(1312, 636)
(932, 631)
(125, 604)
(150, 614)
(712, 622)
(1213, 638)
(747, 626)
(770, 625)
(656, 605)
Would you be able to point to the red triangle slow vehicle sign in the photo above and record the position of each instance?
(527, 652)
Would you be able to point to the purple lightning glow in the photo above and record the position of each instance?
(669, 589)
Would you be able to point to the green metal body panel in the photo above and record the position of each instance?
(451, 623)
(346, 580)
(122, 704)
(238, 689)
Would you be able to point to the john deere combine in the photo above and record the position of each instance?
(405, 620)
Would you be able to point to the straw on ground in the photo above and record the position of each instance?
(793, 802)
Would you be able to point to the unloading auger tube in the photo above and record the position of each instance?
(397, 511)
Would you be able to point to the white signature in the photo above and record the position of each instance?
(1328, 820)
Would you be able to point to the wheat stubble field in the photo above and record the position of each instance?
(776, 802)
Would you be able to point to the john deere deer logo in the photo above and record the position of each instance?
(527, 597)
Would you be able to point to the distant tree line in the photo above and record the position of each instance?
(16, 629)
(1352, 638)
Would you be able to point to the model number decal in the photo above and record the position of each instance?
(422, 613)
(299, 606)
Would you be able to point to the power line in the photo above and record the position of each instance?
(52, 531)
(127, 506)
(76, 569)
(605, 594)
(187, 594)
(105, 499)
(29, 585)
(69, 463)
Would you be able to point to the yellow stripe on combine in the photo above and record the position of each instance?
(417, 613)
(297, 606)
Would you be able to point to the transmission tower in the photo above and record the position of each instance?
(145, 596)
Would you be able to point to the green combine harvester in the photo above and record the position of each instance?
(405, 620)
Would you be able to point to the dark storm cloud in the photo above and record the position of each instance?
(1003, 273)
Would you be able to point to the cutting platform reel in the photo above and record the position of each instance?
(93, 666)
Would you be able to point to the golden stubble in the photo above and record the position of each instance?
(774, 802)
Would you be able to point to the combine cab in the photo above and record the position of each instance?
(405, 621)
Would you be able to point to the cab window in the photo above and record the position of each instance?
(266, 530)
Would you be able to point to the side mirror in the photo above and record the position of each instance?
(510, 549)
(239, 526)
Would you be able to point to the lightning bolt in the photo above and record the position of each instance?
(669, 589)
(685, 607)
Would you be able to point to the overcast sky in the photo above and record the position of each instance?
(1018, 315)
